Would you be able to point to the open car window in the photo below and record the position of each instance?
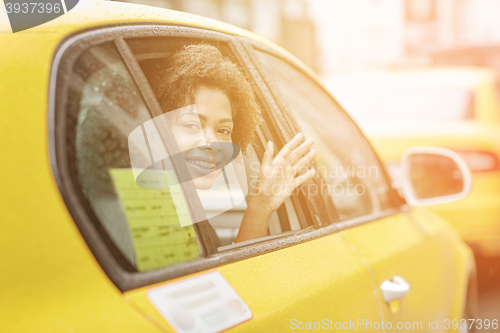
(225, 202)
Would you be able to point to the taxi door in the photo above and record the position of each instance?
(409, 250)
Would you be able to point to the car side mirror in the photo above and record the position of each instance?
(434, 176)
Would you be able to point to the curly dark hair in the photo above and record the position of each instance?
(176, 80)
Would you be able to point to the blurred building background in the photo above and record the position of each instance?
(360, 35)
(336, 37)
(285, 22)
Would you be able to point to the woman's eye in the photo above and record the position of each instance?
(191, 126)
(225, 131)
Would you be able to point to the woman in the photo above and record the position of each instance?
(226, 112)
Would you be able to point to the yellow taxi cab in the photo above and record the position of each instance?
(85, 248)
(453, 107)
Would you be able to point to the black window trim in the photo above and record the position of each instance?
(64, 58)
(281, 127)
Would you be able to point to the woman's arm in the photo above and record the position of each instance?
(278, 178)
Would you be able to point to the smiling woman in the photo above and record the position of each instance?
(224, 111)
(177, 80)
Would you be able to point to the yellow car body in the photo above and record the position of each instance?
(51, 280)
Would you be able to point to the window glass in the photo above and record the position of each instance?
(352, 175)
(105, 109)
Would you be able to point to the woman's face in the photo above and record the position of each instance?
(198, 134)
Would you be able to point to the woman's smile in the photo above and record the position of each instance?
(202, 163)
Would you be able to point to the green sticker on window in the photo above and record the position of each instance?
(156, 217)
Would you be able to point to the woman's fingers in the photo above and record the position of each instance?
(304, 161)
(298, 152)
(303, 178)
(268, 154)
(290, 146)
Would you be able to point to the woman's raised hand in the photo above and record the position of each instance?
(280, 176)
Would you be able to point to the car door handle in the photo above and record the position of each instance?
(394, 289)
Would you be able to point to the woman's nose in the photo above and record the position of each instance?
(212, 141)
(215, 146)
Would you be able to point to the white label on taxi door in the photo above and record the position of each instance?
(205, 303)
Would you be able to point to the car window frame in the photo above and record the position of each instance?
(63, 61)
(306, 210)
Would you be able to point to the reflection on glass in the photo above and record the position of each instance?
(146, 225)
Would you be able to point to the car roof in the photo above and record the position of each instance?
(95, 13)
(90, 14)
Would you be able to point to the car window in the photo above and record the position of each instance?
(225, 202)
(353, 177)
(116, 162)
(105, 108)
